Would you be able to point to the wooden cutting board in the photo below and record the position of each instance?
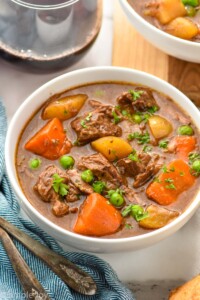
(131, 50)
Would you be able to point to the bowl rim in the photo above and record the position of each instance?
(128, 7)
(11, 170)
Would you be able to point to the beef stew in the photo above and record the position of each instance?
(123, 163)
(180, 18)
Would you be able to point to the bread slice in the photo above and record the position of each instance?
(188, 291)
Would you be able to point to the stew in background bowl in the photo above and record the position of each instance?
(180, 18)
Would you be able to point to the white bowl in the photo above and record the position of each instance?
(177, 47)
(59, 84)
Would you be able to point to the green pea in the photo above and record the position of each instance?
(196, 166)
(66, 162)
(34, 163)
(185, 130)
(191, 11)
(138, 212)
(116, 199)
(87, 176)
(137, 118)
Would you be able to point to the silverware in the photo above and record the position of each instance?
(72, 275)
(31, 286)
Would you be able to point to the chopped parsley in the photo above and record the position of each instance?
(169, 180)
(146, 117)
(147, 149)
(135, 94)
(58, 185)
(83, 124)
(156, 179)
(171, 186)
(87, 119)
(193, 156)
(153, 109)
(165, 170)
(117, 119)
(76, 143)
(118, 107)
(133, 156)
(136, 211)
(125, 112)
(182, 173)
(163, 144)
(142, 138)
(128, 226)
(98, 186)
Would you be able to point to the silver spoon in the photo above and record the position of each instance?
(31, 286)
(72, 275)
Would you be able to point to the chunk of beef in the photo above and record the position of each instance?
(151, 170)
(45, 189)
(131, 197)
(73, 192)
(102, 169)
(59, 208)
(45, 181)
(141, 101)
(76, 180)
(72, 178)
(96, 124)
(60, 205)
(132, 168)
(142, 170)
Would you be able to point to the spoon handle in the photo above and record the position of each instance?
(31, 286)
(71, 274)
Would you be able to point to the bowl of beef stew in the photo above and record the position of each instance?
(173, 26)
(106, 159)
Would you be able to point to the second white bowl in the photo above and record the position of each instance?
(179, 48)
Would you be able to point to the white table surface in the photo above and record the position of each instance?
(177, 257)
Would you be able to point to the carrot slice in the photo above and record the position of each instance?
(50, 141)
(97, 217)
(169, 185)
(185, 145)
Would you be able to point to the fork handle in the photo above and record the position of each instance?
(32, 288)
(70, 273)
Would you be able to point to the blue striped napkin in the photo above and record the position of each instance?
(109, 286)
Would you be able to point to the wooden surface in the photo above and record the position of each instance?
(131, 50)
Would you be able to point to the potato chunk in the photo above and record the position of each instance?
(165, 10)
(160, 127)
(182, 28)
(112, 147)
(158, 217)
(64, 108)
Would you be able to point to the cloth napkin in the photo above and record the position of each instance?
(108, 284)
